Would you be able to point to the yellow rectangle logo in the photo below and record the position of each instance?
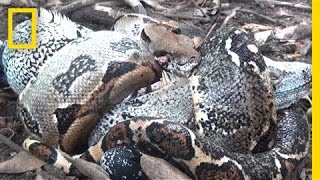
(33, 43)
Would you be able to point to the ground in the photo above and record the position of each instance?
(275, 17)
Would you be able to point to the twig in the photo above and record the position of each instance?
(288, 4)
(262, 16)
(54, 4)
(77, 5)
(179, 16)
(226, 20)
(11, 144)
(111, 3)
(102, 7)
(26, 3)
(209, 32)
(155, 5)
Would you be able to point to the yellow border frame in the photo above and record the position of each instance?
(315, 89)
(33, 12)
(315, 71)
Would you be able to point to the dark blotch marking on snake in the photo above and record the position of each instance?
(66, 117)
(227, 170)
(117, 69)
(134, 103)
(119, 133)
(44, 152)
(124, 45)
(172, 138)
(239, 45)
(29, 121)
(79, 66)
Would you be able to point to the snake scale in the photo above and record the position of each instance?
(223, 116)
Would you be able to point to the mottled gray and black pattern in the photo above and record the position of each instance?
(123, 163)
(173, 102)
(124, 45)
(54, 31)
(233, 106)
(133, 24)
(207, 124)
(225, 91)
(80, 65)
(31, 124)
(3, 78)
(87, 62)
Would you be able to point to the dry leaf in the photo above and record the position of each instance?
(156, 168)
(5, 2)
(301, 31)
(197, 41)
(21, 162)
(262, 37)
(253, 27)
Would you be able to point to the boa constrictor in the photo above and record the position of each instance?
(208, 125)
(235, 116)
(110, 63)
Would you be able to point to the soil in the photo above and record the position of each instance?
(288, 16)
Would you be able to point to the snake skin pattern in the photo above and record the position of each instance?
(55, 105)
(3, 79)
(68, 100)
(54, 31)
(139, 27)
(207, 124)
(232, 58)
(292, 80)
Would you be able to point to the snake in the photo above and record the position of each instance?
(208, 148)
(211, 124)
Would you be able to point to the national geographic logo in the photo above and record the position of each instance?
(33, 12)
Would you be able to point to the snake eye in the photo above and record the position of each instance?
(274, 76)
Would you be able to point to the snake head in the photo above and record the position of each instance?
(175, 52)
(290, 81)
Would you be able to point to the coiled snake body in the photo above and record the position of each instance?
(207, 124)
(223, 135)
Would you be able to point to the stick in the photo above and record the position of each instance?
(178, 16)
(209, 32)
(233, 13)
(298, 6)
(262, 16)
(77, 5)
(11, 144)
